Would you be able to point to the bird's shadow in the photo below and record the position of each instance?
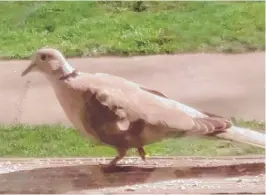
(63, 179)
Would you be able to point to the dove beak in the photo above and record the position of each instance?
(28, 69)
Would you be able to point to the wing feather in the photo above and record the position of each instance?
(123, 103)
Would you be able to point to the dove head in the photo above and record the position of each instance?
(50, 62)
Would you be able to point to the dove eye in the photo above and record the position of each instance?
(43, 57)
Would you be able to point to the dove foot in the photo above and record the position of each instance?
(112, 166)
(142, 153)
(121, 154)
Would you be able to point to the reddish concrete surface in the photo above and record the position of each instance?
(182, 175)
(228, 85)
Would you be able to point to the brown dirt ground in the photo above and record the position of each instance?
(227, 85)
(158, 175)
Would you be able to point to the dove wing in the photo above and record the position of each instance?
(127, 107)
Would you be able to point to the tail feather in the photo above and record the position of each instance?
(243, 135)
(233, 133)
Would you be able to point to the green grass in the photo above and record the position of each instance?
(55, 141)
(129, 28)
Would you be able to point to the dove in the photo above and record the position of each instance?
(123, 114)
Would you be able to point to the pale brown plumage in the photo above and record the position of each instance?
(121, 113)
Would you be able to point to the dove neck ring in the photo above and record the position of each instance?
(69, 71)
(74, 73)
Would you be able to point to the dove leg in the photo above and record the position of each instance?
(121, 154)
(142, 153)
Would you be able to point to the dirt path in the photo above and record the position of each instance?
(159, 175)
(228, 85)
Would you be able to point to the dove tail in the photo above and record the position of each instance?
(243, 135)
(233, 133)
